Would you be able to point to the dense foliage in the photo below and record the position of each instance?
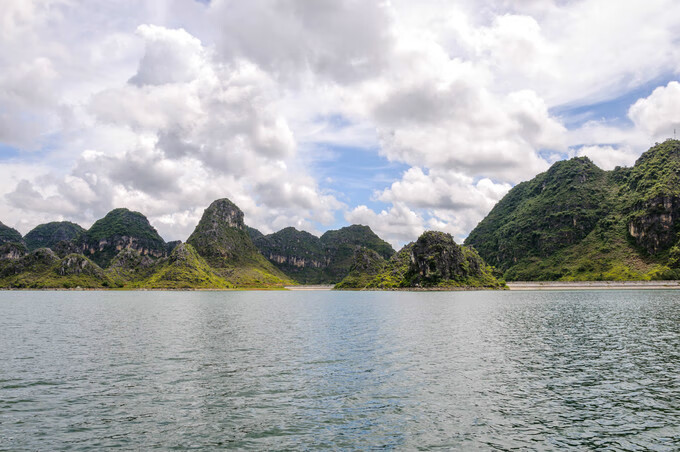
(50, 234)
(577, 222)
(319, 260)
(432, 261)
(9, 235)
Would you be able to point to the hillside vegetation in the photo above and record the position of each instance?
(578, 222)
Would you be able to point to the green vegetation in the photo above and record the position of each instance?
(577, 222)
(298, 254)
(119, 229)
(312, 260)
(130, 266)
(50, 234)
(184, 269)
(433, 261)
(44, 269)
(367, 265)
(222, 240)
(9, 235)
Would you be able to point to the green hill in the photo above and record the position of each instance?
(432, 261)
(578, 222)
(119, 229)
(221, 238)
(9, 235)
(298, 254)
(50, 234)
(319, 260)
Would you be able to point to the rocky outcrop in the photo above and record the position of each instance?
(12, 251)
(77, 264)
(576, 221)
(432, 261)
(184, 269)
(654, 225)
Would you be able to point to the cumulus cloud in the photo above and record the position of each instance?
(397, 225)
(659, 114)
(205, 131)
(173, 104)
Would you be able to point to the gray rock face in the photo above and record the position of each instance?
(655, 230)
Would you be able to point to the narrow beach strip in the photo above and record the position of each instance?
(592, 285)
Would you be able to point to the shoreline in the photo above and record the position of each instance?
(513, 286)
(593, 285)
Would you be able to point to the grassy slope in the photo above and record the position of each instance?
(184, 269)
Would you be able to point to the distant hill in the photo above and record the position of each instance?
(50, 234)
(119, 229)
(319, 260)
(578, 222)
(9, 235)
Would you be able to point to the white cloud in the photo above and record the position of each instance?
(165, 106)
(658, 114)
(608, 157)
(396, 225)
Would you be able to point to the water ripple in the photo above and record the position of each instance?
(325, 370)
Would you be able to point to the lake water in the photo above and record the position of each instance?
(347, 370)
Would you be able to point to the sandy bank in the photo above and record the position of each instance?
(592, 285)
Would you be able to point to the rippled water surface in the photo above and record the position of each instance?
(358, 370)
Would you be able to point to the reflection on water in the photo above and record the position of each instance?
(318, 370)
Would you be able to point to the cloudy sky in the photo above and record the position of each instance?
(401, 115)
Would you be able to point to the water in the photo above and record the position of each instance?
(349, 370)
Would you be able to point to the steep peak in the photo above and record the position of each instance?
(223, 212)
(222, 237)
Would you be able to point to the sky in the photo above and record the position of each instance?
(401, 115)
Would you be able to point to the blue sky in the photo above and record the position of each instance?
(398, 115)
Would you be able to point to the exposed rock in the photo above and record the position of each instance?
(185, 268)
(576, 221)
(434, 260)
(77, 264)
(119, 229)
(12, 251)
(312, 260)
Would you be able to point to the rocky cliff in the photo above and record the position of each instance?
(120, 229)
(42, 268)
